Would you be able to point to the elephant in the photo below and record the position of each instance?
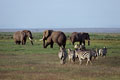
(54, 37)
(21, 36)
(80, 37)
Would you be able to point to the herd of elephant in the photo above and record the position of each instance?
(50, 37)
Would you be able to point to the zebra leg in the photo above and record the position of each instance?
(80, 61)
(104, 56)
(90, 62)
(61, 61)
(74, 59)
(69, 58)
(87, 63)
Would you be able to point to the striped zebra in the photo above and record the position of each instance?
(103, 52)
(81, 47)
(77, 46)
(62, 54)
(71, 55)
(85, 55)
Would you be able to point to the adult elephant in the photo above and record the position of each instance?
(80, 37)
(54, 37)
(21, 37)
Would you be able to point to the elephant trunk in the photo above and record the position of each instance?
(30, 38)
(43, 39)
(40, 39)
(32, 42)
(43, 43)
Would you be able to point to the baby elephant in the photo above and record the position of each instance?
(62, 54)
(71, 55)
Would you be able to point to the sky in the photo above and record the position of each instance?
(59, 14)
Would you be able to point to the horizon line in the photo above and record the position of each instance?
(64, 28)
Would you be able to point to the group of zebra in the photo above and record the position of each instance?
(81, 53)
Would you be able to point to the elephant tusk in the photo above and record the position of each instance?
(40, 39)
(43, 37)
(30, 39)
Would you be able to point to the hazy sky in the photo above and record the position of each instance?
(59, 13)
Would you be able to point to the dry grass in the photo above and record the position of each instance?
(47, 67)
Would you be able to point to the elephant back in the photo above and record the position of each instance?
(19, 35)
(75, 36)
(85, 35)
(58, 36)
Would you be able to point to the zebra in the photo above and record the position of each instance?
(103, 52)
(88, 54)
(71, 55)
(77, 46)
(62, 54)
(81, 47)
(94, 53)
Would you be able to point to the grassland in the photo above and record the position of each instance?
(27, 62)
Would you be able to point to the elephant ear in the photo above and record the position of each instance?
(23, 34)
(47, 33)
(87, 36)
(28, 33)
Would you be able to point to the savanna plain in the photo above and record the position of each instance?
(33, 62)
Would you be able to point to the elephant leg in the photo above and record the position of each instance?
(18, 42)
(84, 42)
(64, 45)
(59, 44)
(31, 42)
(43, 43)
(72, 43)
(51, 45)
(80, 42)
(47, 44)
(23, 42)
